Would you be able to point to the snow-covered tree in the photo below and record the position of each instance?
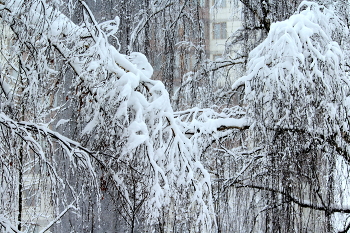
(128, 150)
(296, 99)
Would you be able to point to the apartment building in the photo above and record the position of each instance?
(225, 19)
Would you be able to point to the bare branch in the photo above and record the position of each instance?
(71, 206)
(298, 201)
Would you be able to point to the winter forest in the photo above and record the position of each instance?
(115, 116)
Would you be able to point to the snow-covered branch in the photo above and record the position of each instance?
(8, 225)
(71, 206)
(207, 121)
(25, 129)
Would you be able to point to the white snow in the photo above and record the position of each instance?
(62, 122)
(142, 64)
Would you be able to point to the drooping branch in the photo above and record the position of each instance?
(302, 203)
(226, 63)
(263, 19)
(142, 23)
(71, 206)
(23, 126)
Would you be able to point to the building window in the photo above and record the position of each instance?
(219, 30)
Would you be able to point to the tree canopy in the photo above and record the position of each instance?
(90, 140)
